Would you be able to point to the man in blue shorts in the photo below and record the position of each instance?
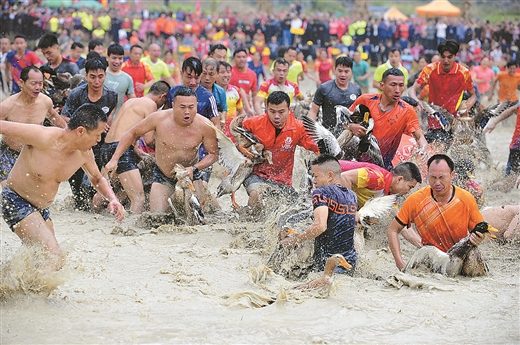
(50, 156)
(335, 209)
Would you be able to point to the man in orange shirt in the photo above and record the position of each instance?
(441, 212)
(509, 82)
(280, 132)
(392, 116)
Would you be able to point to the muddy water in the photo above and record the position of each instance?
(208, 284)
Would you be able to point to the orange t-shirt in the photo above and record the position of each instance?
(390, 125)
(508, 86)
(440, 225)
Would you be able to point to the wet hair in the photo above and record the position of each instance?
(76, 45)
(184, 91)
(93, 44)
(115, 49)
(19, 36)
(24, 75)
(329, 162)
(240, 50)
(218, 46)
(136, 46)
(192, 63)
(210, 62)
(47, 41)
(278, 97)
(511, 63)
(290, 48)
(88, 116)
(451, 46)
(95, 64)
(280, 61)
(159, 87)
(441, 157)
(392, 71)
(93, 55)
(344, 61)
(223, 63)
(393, 50)
(408, 170)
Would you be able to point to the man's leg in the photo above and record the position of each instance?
(159, 195)
(133, 186)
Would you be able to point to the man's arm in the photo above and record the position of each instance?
(246, 102)
(413, 93)
(471, 101)
(29, 134)
(492, 91)
(494, 121)
(395, 246)
(421, 140)
(313, 112)
(258, 102)
(56, 119)
(169, 80)
(319, 226)
(144, 126)
(103, 187)
(349, 178)
(210, 145)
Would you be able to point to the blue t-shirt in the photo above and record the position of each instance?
(259, 70)
(341, 223)
(206, 103)
(220, 96)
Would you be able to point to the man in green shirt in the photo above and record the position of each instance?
(361, 72)
(394, 60)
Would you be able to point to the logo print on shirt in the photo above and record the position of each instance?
(287, 143)
(353, 97)
(105, 109)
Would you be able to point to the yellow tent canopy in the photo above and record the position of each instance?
(438, 8)
(394, 14)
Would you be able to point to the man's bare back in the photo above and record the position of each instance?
(132, 111)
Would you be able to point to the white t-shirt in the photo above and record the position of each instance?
(441, 30)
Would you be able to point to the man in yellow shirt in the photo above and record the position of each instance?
(394, 60)
(158, 67)
(295, 67)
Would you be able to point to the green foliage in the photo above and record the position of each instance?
(330, 6)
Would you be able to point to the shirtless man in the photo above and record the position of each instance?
(132, 111)
(50, 156)
(178, 134)
(27, 106)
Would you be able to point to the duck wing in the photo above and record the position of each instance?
(444, 117)
(228, 154)
(370, 145)
(327, 143)
(482, 117)
(377, 207)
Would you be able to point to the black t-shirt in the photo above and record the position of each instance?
(328, 95)
(66, 66)
(79, 96)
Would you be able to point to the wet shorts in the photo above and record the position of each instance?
(128, 160)
(513, 163)
(159, 177)
(15, 208)
(8, 157)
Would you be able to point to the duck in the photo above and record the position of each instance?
(374, 208)
(482, 117)
(352, 146)
(463, 258)
(326, 141)
(183, 201)
(248, 143)
(239, 165)
(326, 279)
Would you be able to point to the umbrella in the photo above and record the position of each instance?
(57, 3)
(394, 14)
(438, 8)
(93, 4)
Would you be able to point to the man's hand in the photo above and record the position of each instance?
(490, 126)
(476, 238)
(110, 168)
(139, 86)
(116, 209)
(289, 241)
(358, 130)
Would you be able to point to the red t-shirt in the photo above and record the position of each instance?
(282, 146)
(244, 80)
(446, 89)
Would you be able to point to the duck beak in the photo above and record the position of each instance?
(191, 186)
(345, 264)
(491, 229)
(291, 231)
